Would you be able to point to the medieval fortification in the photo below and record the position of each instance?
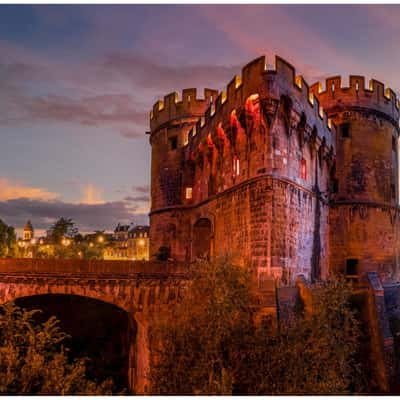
(291, 178)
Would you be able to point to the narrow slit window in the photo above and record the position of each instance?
(351, 266)
(173, 142)
(345, 129)
(335, 185)
(236, 166)
(188, 193)
(303, 169)
(394, 143)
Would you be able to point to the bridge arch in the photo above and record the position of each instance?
(142, 289)
(100, 331)
(120, 294)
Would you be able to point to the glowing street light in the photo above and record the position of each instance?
(100, 239)
(65, 242)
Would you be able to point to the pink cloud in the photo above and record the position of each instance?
(14, 190)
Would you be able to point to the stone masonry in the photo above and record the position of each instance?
(288, 178)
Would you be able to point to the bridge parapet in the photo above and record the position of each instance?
(90, 267)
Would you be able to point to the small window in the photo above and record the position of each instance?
(173, 141)
(188, 193)
(393, 190)
(345, 129)
(351, 266)
(335, 185)
(394, 143)
(236, 166)
(303, 169)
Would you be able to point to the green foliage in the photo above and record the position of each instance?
(200, 340)
(63, 227)
(209, 344)
(34, 361)
(311, 355)
(8, 240)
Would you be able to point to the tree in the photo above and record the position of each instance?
(34, 361)
(314, 354)
(63, 227)
(199, 341)
(210, 345)
(7, 240)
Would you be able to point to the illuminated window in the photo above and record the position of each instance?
(303, 169)
(236, 166)
(188, 193)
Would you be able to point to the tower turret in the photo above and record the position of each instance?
(170, 122)
(364, 190)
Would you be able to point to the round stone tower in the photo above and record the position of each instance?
(170, 122)
(364, 179)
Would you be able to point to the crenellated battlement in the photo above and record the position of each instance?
(172, 108)
(356, 94)
(255, 78)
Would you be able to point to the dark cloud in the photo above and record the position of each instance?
(141, 188)
(137, 198)
(87, 217)
(115, 90)
(148, 74)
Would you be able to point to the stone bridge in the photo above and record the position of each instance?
(142, 289)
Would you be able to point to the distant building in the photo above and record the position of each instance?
(138, 243)
(130, 243)
(121, 232)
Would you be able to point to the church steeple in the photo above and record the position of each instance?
(28, 231)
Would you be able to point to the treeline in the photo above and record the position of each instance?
(210, 345)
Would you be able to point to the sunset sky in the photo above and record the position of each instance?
(77, 82)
